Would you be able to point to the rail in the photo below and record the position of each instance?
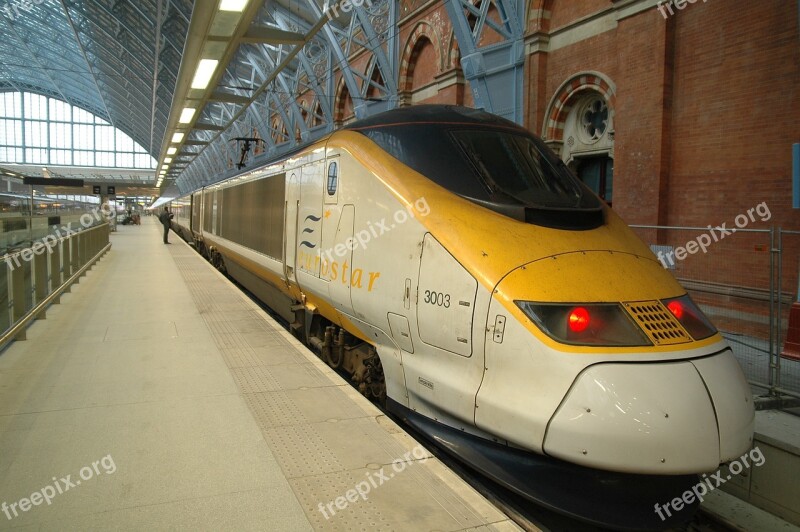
(33, 278)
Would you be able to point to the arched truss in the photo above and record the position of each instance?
(494, 71)
(568, 94)
(371, 29)
(260, 68)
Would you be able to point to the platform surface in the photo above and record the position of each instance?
(157, 396)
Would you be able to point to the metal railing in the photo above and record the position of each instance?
(746, 282)
(32, 279)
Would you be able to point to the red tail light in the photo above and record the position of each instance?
(578, 319)
(596, 324)
(691, 317)
(676, 308)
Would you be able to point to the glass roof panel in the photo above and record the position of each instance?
(100, 55)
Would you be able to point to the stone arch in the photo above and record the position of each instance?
(422, 31)
(579, 126)
(568, 94)
(453, 53)
(539, 12)
(340, 108)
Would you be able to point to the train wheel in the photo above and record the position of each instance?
(375, 381)
(335, 354)
(218, 262)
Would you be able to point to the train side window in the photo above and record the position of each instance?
(333, 178)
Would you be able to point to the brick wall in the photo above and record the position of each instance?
(564, 13)
(736, 111)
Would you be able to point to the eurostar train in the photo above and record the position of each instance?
(450, 264)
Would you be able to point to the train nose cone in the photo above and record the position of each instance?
(659, 418)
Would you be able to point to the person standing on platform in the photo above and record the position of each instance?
(165, 219)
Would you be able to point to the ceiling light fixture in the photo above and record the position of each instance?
(202, 76)
(186, 115)
(233, 5)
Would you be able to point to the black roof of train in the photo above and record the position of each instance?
(457, 147)
(431, 114)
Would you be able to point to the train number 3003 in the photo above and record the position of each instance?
(437, 298)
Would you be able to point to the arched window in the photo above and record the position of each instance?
(593, 116)
(589, 143)
(36, 129)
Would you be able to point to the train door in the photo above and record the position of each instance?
(197, 212)
(338, 224)
(214, 212)
(191, 213)
(309, 237)
(290, 224)
(339, 259)
(444, 374)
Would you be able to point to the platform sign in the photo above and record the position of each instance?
(112, 191)
(96, 189)
(52, 181)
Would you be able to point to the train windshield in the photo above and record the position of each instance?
(515, 166)
(505, 169)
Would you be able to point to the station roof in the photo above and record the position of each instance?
(136, 64)
(118, 59)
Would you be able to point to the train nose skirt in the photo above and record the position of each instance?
(620, 501)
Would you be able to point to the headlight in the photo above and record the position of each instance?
(691, 318)
(591, 324)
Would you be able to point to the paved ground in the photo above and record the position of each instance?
(159, 397)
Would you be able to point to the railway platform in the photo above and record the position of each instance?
(157, 396)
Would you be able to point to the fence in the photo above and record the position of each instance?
(746, 282)
(33, 278)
